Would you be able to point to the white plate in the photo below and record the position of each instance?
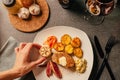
(58, 31)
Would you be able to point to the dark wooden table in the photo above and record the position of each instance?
(72, 17)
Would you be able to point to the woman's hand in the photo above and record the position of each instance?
(23, 64)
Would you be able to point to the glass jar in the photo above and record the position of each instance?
(12, 6)
(66, 3)
(100, 7)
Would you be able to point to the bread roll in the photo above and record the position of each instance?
(23, 13)
(34, 9)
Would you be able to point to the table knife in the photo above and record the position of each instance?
(99, 48)
(105, 61)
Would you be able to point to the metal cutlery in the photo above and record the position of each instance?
(108, 47)
(99, 48)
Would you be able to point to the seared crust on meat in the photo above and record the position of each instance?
(69, 59)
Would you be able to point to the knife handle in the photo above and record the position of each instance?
(104, 62)
(109, 70)
(100, 70)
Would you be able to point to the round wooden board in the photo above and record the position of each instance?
(35, 22)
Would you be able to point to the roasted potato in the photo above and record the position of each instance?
(69, 49)
(59, 46)
(66, 39)
(78, 52)
(76, 42)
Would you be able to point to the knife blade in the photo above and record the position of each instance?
(99, 48)
(104, 62)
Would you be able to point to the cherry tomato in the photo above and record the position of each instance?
(51, 40)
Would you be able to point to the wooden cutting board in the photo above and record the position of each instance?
(35, 22)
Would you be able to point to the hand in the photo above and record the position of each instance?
(23, 64)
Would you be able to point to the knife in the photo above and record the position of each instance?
(104, 62)
(99, 48)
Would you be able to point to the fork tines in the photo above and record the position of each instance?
(110, 43)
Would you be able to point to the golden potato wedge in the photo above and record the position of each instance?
(69, 49)
(66, 39)
(59, 46)
(76, 42)
(78, 52)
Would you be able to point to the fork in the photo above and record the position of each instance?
(108, 47)
(110, 43)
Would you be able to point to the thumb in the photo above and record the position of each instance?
(34, 63)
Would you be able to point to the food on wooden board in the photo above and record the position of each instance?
(23, 13)
(23, 8)
(34, 9)
(27, 3)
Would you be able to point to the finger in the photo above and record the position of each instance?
(16, 50)
(22, 45)
(39, 61)
(28, 47)
(37, 45)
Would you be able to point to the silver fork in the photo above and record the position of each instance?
(110, 43)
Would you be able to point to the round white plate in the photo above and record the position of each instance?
(58, 31)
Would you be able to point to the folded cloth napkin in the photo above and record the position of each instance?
(7, 58)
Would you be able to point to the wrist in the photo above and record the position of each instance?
(9, 74)
(20, 71)
(15, 73)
